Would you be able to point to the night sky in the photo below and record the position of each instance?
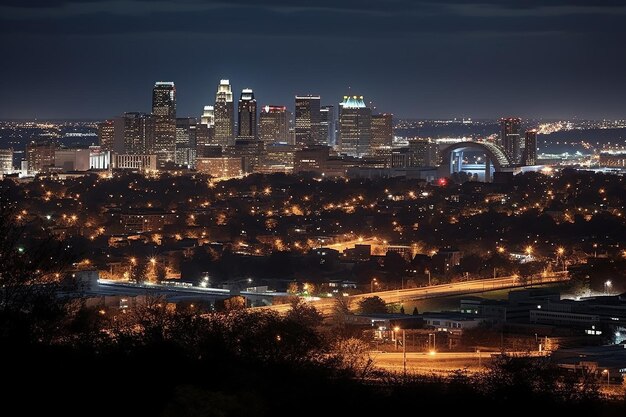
(418, 59)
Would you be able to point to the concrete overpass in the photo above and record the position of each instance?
(325, 305)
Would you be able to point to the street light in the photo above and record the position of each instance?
(434, 345)
(607, 286)
(374, 282)
(428, 272)
(560, 251)
(396, 329)
(608, 377)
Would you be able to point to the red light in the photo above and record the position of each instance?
(442, 182)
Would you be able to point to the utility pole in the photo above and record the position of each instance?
(404, 351)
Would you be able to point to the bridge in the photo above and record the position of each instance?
(496, 160)
(325, 305)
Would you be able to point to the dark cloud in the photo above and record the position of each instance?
(415, 58)
(263, 21)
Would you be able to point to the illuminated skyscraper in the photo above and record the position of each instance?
(39, 156)
(186, 131)
(205, 133)
(308, 121)
(208, 116)
(274, 124)
(530, 148)
(6, 161)
(510, 138)
(327, 125)
(164, 112)
(355, 120)
(164, 99)
(137, 130)
(224, 115)
(106, 135)
(423, 153)
(247, 126)
(382, 130)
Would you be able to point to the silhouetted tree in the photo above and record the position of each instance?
(372, 305)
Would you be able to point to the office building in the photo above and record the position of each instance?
(274, 125)
(400, 158)
(327, 125)
(530, 148)
(307, 129)
(277, 157)
(106, 134)
(247, 115)
(220, 167)
(446, 259)
(6, 161)
(137, 133)
(382, 131)
(164, 112)
(355, 121)
(164, 100)
(205, 140)
(224, 115)
(510, 138)
(66, 160)
(312, 159)
(135, 162)
(99, 158)
(208, 116)
(186, 136)
(249, 151)
(423, 153)
(39, 156)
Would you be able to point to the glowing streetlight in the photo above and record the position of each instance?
(529, 250)
(560, 251)
(396, 329)
(153, 261)
(608, 376)
(607, 287)
(374, 282)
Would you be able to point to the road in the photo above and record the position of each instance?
(325, 305)
(423, 362)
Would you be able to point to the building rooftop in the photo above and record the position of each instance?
(353, 102)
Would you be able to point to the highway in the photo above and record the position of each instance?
(437, 362)
(423, 362)
(325, 305)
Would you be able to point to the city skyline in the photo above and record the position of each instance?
(417, 59)
(244, 207)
